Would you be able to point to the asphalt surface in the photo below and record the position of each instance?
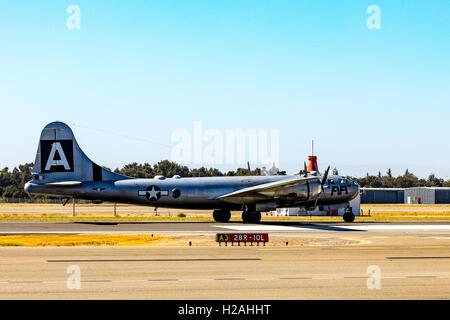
(204, 227)
(331, 261)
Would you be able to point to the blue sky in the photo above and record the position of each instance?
(371, 99)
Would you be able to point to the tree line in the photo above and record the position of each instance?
(13, 181)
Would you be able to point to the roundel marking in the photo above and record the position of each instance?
(153, 193)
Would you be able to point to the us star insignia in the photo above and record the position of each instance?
(153, 193)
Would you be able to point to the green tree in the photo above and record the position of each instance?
(408, 180)
(169, 168)
(136, 170)
(433, 181)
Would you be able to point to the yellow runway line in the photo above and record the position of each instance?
(359, 248)
(428, 247)
(287, 249)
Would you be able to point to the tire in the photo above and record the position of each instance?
(349, 217)
(221, 215)
(226, 216)
(256, 216)
(245, 217)
(217, 215)
(251, 217)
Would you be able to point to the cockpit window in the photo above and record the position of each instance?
(330, 181)
(343, 181)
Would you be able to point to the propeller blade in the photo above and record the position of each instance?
(322, 182)
(325, 176)
(305, 169)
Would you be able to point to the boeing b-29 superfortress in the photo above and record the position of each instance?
(62, 169)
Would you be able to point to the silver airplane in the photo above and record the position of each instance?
(61, 169)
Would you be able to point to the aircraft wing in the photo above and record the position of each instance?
(266, 190)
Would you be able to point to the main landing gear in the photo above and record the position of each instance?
(221, 215)
(251, 216)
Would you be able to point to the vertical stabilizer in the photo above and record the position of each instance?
(60, 159)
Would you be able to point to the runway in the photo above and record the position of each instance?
(205, 227)
(322, 261)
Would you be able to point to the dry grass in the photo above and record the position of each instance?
(81, 240)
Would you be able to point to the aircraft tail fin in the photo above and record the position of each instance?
(60, 159)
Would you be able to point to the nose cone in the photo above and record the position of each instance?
(28, 187)
(355, 189)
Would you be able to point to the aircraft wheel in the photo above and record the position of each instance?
(349, 217)
(251, 216)
(226, 215)
(256, 216)
(221, 215)
(245, 217)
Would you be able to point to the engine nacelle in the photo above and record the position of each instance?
(303, 192)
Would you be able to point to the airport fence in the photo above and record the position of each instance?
(28, 200)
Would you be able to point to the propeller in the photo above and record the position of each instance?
(325, 176)
(322, 182)
(305, 169)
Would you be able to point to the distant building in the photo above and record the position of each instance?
(382, 195)
(423, 195)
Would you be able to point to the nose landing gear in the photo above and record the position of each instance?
(348, 215)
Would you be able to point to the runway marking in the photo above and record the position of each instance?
(335, 227)
(160, 260)
(397, 227)
(406, 258)
(264, 228)
(359, 248)
(195, 279)
(163, 280)
(287, 249)
(82, 232)
(427, 247)
(25, 282)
